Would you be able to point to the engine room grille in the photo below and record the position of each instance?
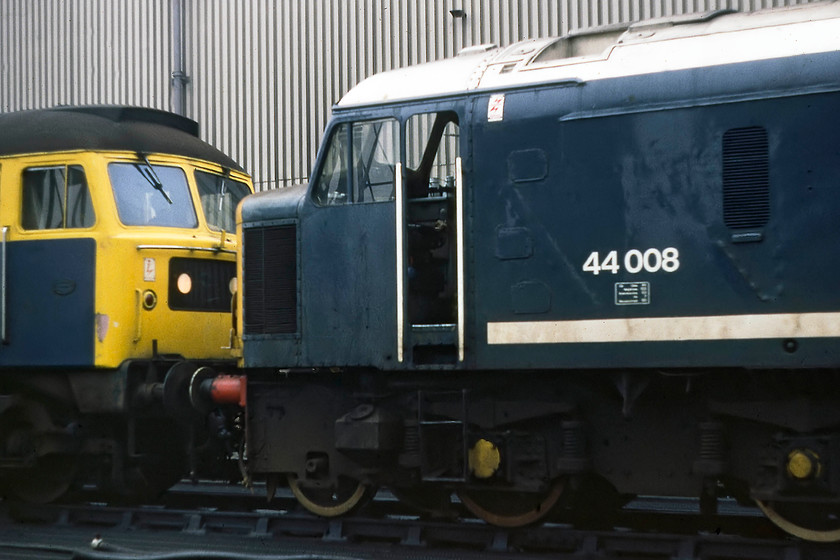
(200, 284)
(270, 286)
(746, 182)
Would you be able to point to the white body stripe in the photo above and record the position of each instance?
(715, 327)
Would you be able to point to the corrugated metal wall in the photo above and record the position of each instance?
(83, 51)
(264, 73)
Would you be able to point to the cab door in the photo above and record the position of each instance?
(382, 279)
(348, 277)
(430, 243)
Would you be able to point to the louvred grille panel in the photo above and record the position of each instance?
(746, 177)
(270, 284)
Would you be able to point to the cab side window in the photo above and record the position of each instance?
(219, 198)
(332, 185)
(360, 164)
(432, 141)
(56, 198)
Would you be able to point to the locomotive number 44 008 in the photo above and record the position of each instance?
(634, 260)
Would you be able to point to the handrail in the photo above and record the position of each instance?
(400, 257)
(459, 232)
(186, 248)
(3, 273)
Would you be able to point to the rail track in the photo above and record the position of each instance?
(219, 521)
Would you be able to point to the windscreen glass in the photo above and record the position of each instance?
(155, 195)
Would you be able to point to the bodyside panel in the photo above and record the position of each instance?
(557, 186)
(50, 299)
(348, 294)
(345, 289)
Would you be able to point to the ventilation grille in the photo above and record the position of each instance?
(200, 284)
(746, 184)
(270, 286)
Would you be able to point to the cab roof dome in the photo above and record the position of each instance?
(105, 127)
(675, 43)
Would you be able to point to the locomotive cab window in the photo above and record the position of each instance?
(360, 164)
(56, 198)
(154, 195)
(431, 151)
(219, 198)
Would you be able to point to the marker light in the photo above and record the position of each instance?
(184, 283)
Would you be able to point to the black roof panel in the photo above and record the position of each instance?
(105, 127)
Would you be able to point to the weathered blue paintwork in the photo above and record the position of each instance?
(50, 299)
(574, 167)
(636, 163)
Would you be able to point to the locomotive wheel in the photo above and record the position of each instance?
(810, 522)
(347, 496)
(28, 433)
(47, 481)
(511, 509)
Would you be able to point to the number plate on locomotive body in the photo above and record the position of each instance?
(634, 261)
(632, 293)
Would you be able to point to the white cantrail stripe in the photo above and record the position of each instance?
(715, 327)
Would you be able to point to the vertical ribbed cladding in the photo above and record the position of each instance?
(746, 177)
(270, 285)
(83, 52)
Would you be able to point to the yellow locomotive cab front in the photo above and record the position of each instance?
(167, 270)
(164, 272)
(117, 273)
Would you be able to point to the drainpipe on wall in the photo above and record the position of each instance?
(179, 78)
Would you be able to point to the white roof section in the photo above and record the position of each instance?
(678, 43)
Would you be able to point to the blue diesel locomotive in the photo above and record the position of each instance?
(564, 272)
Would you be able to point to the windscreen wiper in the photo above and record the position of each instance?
(152, 177)
(222, 193)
